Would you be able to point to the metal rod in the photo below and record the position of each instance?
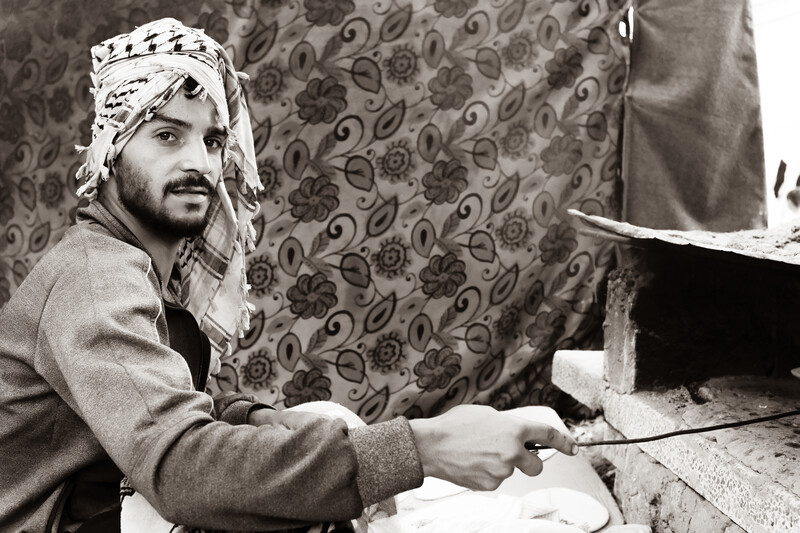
(536, 447)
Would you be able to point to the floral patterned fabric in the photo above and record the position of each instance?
(418, 158)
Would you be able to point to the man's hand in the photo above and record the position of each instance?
(477, 447)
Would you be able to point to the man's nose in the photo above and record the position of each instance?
(195, 158)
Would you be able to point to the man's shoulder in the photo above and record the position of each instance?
(88, 265)
(92, 246)
(88, 255)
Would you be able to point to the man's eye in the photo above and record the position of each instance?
(165, 136)
(214, 143)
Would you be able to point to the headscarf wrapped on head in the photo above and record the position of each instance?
(135, 74)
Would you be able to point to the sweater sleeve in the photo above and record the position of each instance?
(381, 469)
(234, 408)
(193, 469)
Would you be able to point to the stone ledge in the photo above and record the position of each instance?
(649, 493)
(757, 486)
(580, 373)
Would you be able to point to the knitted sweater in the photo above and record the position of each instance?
(87, 374)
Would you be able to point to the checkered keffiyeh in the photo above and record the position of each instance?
(134, 75)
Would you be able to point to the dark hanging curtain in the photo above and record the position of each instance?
(693, 153)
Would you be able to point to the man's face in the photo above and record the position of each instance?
(167, 171)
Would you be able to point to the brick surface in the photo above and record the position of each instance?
(620, 332)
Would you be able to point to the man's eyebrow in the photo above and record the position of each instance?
(170, 120)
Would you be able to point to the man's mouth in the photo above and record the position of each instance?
(191, 190)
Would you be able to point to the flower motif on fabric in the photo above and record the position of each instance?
(517, 141)
(306, 387)
(261, 275)
(437, 369)
(324, 12)
(322, 100)
(562, 155)
(215, 25)
(564, 68)
(515, 232)
(268, 174)
(501, 400)
(388, 354)
(259, 370)
(108, 29)
(60, 104)
(401, 67)
(451, 88)
(443, 276)
(51, 190)
(269, 82)
(507, 325)
(446, 182)
(312, 296)
(548, 395)
(170, 8)
(546, 329)
(17, 42)
(6, 204)
(519, 53)
(314, 199)
(392, 258)
(397, 163)
(69, 19)
(454, 8)
(560, 241)
(12, 123)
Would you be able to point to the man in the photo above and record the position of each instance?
(102, 369)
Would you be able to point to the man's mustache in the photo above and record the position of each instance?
(190, 181)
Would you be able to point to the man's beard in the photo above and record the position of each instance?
(139, 200)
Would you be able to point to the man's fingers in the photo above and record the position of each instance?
(543, 434)
(530, 464)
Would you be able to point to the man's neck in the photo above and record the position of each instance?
(162, 250)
